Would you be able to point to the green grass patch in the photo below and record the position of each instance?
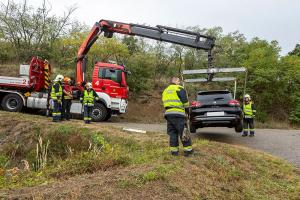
(215, 171)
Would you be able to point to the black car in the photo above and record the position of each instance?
(215, 108)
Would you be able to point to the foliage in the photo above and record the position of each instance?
(32, 31)
(272, 79)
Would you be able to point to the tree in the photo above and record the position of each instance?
(32, 31)
(296, 50)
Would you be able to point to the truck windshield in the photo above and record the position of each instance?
(111, 74)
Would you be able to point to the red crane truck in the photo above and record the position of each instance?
(108, 80)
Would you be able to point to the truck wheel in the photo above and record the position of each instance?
(192, 128)
(99, 112)
(12, 103)
(108, 116)
(239, 127)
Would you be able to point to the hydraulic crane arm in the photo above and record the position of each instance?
(160, 33)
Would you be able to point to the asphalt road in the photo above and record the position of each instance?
(281, 143)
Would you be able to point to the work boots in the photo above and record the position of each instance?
(188, 153)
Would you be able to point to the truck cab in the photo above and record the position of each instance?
(109, 82)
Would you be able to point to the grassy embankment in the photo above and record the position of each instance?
(99, 161)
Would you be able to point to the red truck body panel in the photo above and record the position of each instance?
(39, 72)
(110, 78)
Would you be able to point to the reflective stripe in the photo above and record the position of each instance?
(56, 114)
(87, 118)
(181, 107)
(174, 149)
(168, 101)
(67, 97)
(169, 112)
(188, 148)
(187, 104)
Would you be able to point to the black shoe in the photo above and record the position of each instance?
(245, 134)
(188, 153)
(251, 135)
(174, 153)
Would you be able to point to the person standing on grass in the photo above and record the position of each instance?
(176, 104)
(249, 111)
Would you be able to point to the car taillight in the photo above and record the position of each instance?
(234, 102)
(196, 104)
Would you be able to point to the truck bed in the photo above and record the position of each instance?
(14, 82)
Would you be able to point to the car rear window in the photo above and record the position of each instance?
(208, 96)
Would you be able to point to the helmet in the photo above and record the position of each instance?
(67, 80)
(88, 85)
(247, 96)
(59, 78)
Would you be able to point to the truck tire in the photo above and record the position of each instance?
(108, 116)
(239, 127)
(99, 112)
(12, 103)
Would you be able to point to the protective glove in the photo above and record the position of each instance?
(59, 101)
(97, 98)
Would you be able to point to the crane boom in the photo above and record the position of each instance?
(160, 33)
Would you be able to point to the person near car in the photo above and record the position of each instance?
(249, 111)
(56, 95)
(176, 105)
(67, 99)
(88, 98)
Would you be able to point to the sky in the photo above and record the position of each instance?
(267, 19)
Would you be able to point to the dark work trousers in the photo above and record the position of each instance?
(175, 128)
(56, 114)
(66, 107)
(248, 126)
(87, 117)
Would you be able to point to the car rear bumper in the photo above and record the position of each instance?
(222, 121)
(214, 119)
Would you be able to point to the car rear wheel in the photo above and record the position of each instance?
(239, 127)
(192, 128)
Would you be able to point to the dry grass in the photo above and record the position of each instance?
(138, 166)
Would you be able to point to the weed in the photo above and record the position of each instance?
(148, 176)
(4, 161)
